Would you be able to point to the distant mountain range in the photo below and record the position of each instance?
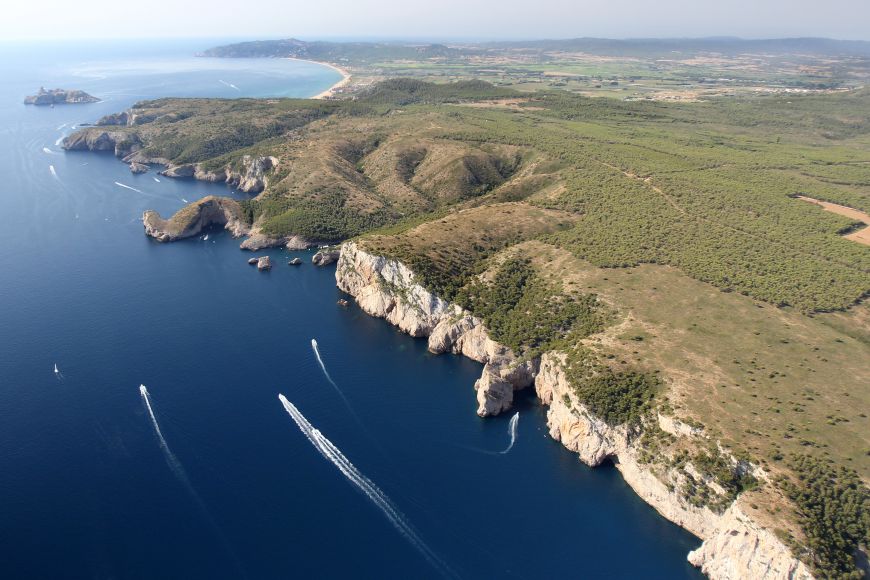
(642, 47)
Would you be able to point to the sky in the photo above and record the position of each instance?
(434, 19)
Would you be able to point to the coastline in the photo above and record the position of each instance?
(331, 90)
(733, 544)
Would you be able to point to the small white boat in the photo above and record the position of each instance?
(205, 239)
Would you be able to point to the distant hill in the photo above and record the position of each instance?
(332, 51)
(725, 45)
(363, 52)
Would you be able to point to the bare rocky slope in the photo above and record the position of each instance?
(734, 546)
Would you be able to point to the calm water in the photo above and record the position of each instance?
(85, 488)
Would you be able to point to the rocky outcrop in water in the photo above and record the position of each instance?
(734, 546)
(264, 263)
(59, 97)
(325, 256)
(192, 219)
(136, 167)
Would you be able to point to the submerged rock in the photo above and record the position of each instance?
(295, 262)
(253, 261)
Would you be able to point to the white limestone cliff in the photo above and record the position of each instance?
(734, 547)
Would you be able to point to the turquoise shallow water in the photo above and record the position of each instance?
(87, 491)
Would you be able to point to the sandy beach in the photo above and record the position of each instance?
(331, 90)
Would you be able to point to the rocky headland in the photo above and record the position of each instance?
(734, 546)
(59, 97)
(191, 220)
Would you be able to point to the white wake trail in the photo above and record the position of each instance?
(512, 429)
(48, 151)
(53, 172)
(155, 179)
(59, 141)
(181, 474)
(128, 187)
(332, 382)
(329, 451)
(231, 85)
(320, 361)
(173, 462)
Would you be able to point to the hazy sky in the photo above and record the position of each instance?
(311, 19)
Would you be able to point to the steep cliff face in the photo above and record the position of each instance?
(249, 174)
(194, 218)
(734, 546)
(250, 177)
(387, 289)
(120, 143)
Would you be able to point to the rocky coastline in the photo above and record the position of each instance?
(191, 220)
(734, 546)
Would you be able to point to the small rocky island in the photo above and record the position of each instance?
(59, 97)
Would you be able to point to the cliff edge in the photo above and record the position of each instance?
(734, 547)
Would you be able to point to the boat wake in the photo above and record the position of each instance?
(181, 475)
(329, 378)
(330, 452)
(231, 85)
(173, 462)
(128, 187)
(53, 172)
(48, 151)
(155, 179)
(57, 373)
(512, 431)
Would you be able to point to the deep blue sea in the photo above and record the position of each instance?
(86, 488)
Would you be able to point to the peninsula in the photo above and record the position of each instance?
(643, 266)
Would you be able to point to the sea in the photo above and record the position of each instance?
(141, 430)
